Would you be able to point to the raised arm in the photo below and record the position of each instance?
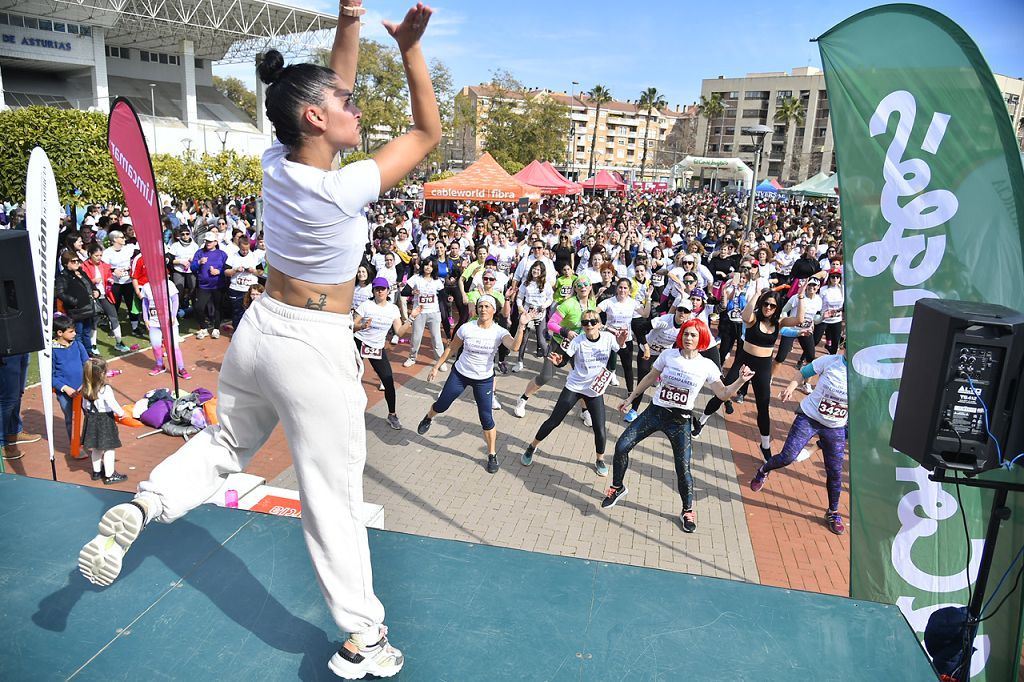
(400, 156)
(345, 51)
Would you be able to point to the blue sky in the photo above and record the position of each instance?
(629, 46)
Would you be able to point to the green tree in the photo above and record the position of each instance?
(522, 126)
(76, 143)
(599, 95)
(465, 124)
(790, 111)
(650, 100)
(444, 91)
(236, 91)
(710, 108)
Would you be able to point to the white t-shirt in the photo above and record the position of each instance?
(243, 280)
(533, 298)
(426, 290)
(149, 312)
(182, 252)
(590, 359)
(827, 403)
(314, 223)
(785, 260)
(682, 379)
(831, 304)
(663, 333)
(478, 348)
(120, 260)
(812, 306)
(505, 255)
(105, 402)
(620, 313)
(382, 317)
(360, 295)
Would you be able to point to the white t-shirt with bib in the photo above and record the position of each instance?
(620, 313)
(427, 290)
(478, 348)
(590, 360)
(241, 281)
(828, 402)
(663, 333)
(682, 379)
(382, 317)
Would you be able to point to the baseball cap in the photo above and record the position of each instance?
(211, 237)
(380, 283)
(684, 304)
(698, 293)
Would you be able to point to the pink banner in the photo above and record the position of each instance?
(650, 186)
(128, 149)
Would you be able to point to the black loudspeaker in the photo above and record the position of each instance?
(21, 326)
(963, 364)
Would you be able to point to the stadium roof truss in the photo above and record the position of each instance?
(230, 31)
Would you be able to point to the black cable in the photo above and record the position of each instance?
(1016, 584)
(967, 534)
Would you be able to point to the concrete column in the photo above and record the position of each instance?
(100, 91)
(189, 110)
(805, 151)
(262, 122)
(826, 157)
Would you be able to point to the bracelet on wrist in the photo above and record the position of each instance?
(351, 10)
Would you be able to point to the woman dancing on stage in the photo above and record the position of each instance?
(682, 372)
(293, 358)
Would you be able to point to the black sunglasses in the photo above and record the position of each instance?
(590, 323)
(489, 279)
(769, 304)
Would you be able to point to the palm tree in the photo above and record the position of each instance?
(650, 99)
(598, 95)
(710, 108)
(789, 111)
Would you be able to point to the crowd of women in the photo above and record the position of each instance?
(667, 291)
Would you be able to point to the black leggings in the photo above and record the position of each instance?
(762, 383)
(626, 355)
(126, 293)
(807, 344)
(382, 366)
(730, 333)
(643, 368)
(208, 307)
(566, 399)
(832, 332)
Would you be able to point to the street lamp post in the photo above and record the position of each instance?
(570, 157)
(757, 134)
(152, 109)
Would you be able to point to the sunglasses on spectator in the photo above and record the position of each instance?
(769, 304)
(490, 279)
(590, 323)
(74, 260)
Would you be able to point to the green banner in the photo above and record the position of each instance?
(931, 191)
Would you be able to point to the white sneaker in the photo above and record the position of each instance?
(215, 334)
(100, 559)
(380, 387)
(518, 367)
(804, 455)
(495, 405)
(379, 659)
(614, 380)
(443, 367)
(202, 334)
(806, 388)
(520, 409)
(587, 419)
(409, 363)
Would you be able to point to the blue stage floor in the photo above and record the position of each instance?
(230, 595)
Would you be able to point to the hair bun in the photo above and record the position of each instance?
(271, 67)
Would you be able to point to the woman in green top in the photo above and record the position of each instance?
(564, 283)
(564, 324)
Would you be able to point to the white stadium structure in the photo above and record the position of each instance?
(82, 54)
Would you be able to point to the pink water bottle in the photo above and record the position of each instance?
(231, 498)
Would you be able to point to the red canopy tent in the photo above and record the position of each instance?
(483, 180)
(604, 180)
(547, 179)
(575, 187)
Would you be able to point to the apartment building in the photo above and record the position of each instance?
(621, 130)
(793, 151)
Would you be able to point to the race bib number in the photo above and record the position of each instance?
(736, 315)
(371, 353)
(565, 292)
(658, 280)
(833, 409)
(504, 267)
(833, 313)
(677, 397)
(427, 300)
(564, 343)
(656, 348)
(600, 383)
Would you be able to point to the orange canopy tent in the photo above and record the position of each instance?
(484, 180)
(547, 179)
(604, 180)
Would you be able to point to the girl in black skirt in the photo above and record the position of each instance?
(99, 436)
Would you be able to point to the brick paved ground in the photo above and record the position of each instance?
(437, 486)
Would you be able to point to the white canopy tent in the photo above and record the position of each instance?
(725, 167)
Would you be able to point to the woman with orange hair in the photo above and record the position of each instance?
(682, 372)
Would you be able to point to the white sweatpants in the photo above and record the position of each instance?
(299, 367)
(434, 319)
